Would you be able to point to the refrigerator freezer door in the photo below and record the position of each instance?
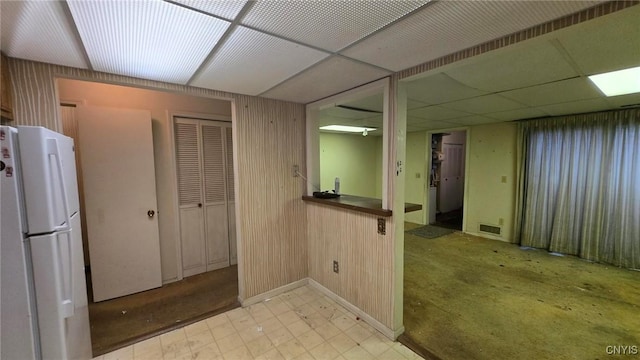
(18, 329)
(49, 178)
(61, 294)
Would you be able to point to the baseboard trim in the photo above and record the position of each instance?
(273, 293)
(389, 333)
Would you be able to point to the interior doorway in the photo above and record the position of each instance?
(178, 300)
(446, 180)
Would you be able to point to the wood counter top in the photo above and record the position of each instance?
(361, 204)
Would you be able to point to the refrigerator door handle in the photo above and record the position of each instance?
(54, 149)
(66, 303)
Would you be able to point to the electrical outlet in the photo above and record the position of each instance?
(296, 170)
(336, 267)
(504, 179)
(382, 226)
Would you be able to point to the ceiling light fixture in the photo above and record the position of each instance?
(620, 82)
(345, 128)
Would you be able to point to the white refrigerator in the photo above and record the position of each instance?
(44, 310)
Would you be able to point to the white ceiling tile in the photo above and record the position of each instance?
(576, 107)
(329, 77)
(473, 120)
(227, 9)
(251, 62)
(444, 27)
(484, 104)
(554, 93)
(529, 63)
(429, 125)
(414, 104)
(440, 88)
(146, 39)
(329, 25)
(607, 43)
(518, 114)
(39, 31)
(436, 113)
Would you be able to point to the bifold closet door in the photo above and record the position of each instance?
(215, 202)
(204, 156)
(192, 226)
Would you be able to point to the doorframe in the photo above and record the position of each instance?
(171, 116)
(427, 196)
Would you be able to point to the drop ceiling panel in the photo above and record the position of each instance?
(40, 31)
(608, 43)
(329, 77)
(484, 104)
(473, 120)
(518, 114)
(430, 125)
(554, 93)
(444, 27)
(373, 103)
(329, 25)
(436, 113)
(525, 64)
(414, 104)
(251, 62)
(576, 107)
(340, 112)
(440, 88)
(227, 9)
(152, 40)
(624, 100)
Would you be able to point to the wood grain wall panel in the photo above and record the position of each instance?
(365, 257)
(270, 140)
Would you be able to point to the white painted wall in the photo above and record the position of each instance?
(353, 159)
(488, 200)
(158, 102)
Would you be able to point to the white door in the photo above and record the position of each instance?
(452, 177)
(120, 200)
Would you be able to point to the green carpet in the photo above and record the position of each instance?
(120, 322)
(430, 231)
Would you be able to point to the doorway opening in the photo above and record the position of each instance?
(171, 299)
(446, 179)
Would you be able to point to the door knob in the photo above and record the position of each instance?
(151, 213)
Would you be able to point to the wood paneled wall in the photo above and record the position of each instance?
(366, 258)
(269, 136)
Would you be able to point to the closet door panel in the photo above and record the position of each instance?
(215, 192)
(189, 171)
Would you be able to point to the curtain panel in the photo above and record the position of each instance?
(578, 186)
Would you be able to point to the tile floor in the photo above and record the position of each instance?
(300, 324)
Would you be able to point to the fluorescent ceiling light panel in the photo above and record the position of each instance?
(152, 40)
(227, 9)
(619, 82)
(345, 128)
(40, 31)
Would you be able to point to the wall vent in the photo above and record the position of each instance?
(490, 229)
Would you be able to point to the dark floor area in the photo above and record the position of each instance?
(450, 220)
(120, 322)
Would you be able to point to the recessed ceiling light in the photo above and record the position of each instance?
(345, 128)
(619, 82)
